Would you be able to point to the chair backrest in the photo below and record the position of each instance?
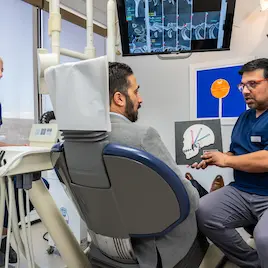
(122, 192)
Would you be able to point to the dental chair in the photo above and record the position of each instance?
(122, 194)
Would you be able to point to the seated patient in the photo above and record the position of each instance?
(245, 201)
(125, 100)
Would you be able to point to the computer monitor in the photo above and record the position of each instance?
(174, 26)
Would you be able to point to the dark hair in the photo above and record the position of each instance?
(118, 78)
(256, 65)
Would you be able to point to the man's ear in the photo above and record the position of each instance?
(119, 99)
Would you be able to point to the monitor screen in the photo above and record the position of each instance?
(173, 26)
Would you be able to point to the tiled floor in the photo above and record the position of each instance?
(42, 259)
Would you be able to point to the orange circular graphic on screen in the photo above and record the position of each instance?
(220, 89)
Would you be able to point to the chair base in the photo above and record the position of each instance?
(193, 258)
(99, 260)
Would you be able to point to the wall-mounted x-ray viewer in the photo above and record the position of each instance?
(165, 27)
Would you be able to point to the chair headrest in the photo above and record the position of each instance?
(79, 94)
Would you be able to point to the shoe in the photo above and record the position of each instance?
(189, 176)
(217, 183)
(196, 185)
(12, 253)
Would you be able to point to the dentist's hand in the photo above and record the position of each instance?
(202, 165)
(215, 158)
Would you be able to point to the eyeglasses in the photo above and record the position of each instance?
(250, 84)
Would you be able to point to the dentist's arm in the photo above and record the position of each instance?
(256, 162)
(204, 164)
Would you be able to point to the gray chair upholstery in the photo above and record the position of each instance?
(116, 190)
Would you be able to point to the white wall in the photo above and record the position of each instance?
(72, 37)
(16, 49)
(165, 84)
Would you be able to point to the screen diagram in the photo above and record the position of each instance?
(173, 25)
(193, 138)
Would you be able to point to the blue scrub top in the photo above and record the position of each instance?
(250, 134)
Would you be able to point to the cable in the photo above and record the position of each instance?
(45, 237)
(11, 200)
(15, 230)
(17, 234)
(23, 226)
(6, 196)
(47, 117)
(15, 227)
(2, 206)
(29, 226)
